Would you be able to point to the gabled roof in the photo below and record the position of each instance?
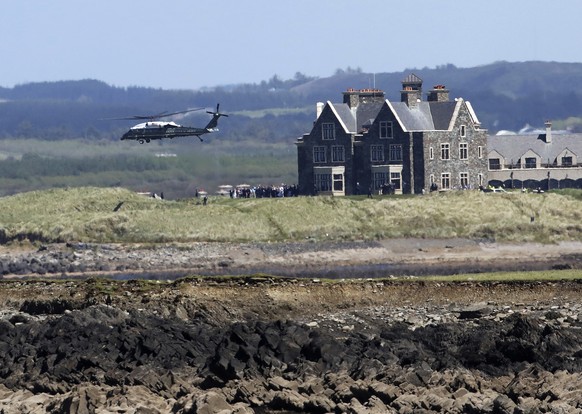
(364, 113)
(513, 147)
(426, 116)
(344, 115)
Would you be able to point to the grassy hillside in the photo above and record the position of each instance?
(88, 215)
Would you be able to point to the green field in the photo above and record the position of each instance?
(177, 168)
(91, 214)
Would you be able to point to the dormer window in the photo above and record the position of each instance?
(386, 130)
(328, 131)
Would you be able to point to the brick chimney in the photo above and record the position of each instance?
(411, 92)
(438, 94)
(355, 97)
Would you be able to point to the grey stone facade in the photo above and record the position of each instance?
(400, 147)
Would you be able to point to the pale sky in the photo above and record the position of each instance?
(188, 44)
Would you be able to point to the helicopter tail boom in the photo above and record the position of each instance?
(211, 127)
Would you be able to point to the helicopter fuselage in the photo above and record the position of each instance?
(152, 130)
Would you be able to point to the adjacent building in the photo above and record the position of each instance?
(545, 160)
(370, 144)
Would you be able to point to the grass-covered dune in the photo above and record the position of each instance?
(95, 215)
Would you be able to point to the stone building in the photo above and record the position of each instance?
(369, 144)
(547, 160)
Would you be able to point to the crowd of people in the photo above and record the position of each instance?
(260, 191)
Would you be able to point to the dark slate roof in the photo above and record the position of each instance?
(513, 147)
(414, 119)
(427, 116)
(366, 113)
(345, 114)
(442, 113)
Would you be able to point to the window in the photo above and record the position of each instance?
(318, 154)
(445, 151)
(395, 179)
(445, 180)
(463, 131)
(338, 182)
(479, 151)
(566, 161)
(329, 180)
(337, 153)
(431, 153)
(395, 152)
(323, 182)
(328, 130)
(377, 153)
(379, 179)
(386, 130)
(464, 180)
(530, 162)
(494, 164)
(463, 151)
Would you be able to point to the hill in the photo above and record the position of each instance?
(506, 96)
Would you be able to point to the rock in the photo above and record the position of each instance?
(477, 310)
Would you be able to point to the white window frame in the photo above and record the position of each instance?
(445, 151)
(329, 180)
(377, 153)
(445, 180)
(338, 153)
(464, 180)
(430, 153)
(327, 131)
(463, 131)
(386, 130)
(319, 155)
(395, 152)
(479, 151)
(463, 151)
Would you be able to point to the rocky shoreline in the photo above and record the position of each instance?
(72, 342)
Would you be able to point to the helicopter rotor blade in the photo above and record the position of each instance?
(182, 112)
(156, 116)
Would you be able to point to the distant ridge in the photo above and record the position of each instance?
(506, 95)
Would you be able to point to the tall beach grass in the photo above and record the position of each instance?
(92, 214)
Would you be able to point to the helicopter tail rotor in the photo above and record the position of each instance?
(217, 113)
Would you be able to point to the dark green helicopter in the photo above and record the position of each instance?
(152, 129)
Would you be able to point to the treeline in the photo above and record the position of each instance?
(30, 165)
(177, 176)
(505, 96)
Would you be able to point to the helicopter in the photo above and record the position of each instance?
(153, 129)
